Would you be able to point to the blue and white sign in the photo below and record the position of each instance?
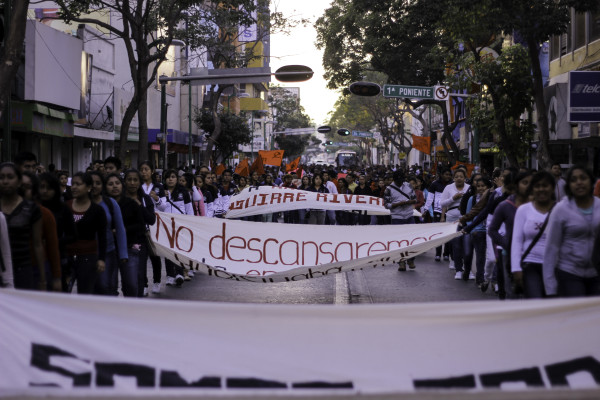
(584, 96)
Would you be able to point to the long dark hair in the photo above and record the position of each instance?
(140, 191)
(586, 171)
(53, 183)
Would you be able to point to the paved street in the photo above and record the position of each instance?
(431, 281)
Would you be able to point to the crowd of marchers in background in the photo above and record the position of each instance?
(526, 233)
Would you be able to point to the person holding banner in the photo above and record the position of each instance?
(450, 203)
(305, 184)
(178, 202)
(400, 198)
(226, 189)
(434, 197)
(156, 192)
(317, 216)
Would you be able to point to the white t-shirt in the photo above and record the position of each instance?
(452, 206)
(527, 224)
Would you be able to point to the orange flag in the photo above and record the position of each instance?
(271, 157)
(242, 168)
(293, 165)
(220, 169)
(470, 167)
(258, 165)
(422, 143)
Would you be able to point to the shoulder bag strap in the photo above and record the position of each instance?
(537, 237)
(398, 190)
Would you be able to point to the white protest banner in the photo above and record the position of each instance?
(266, 252)
(266, 199)
(63, 345)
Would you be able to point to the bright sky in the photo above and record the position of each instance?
(299, 48)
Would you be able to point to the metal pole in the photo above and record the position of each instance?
(252, 145)
(7, 139)
(190, 124)
(163, 124)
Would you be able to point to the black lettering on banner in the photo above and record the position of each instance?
(457, 382)
(322, 385)
(530, 376)
(105, 373)
(40, 358)
(558, 373)
(254, 383)
(173, 379)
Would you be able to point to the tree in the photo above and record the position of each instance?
(400, 38)
(148, 28)
(532, 23)
(507, 95)
(551, 17)
(289, 114)
(10, 57)
(234, 131)
(214, 29)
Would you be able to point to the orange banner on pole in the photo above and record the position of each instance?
(243, 169)
(293, 165)
(422, 143)
(258, 165)
(470, 167)
(271, 157)
(220, 169)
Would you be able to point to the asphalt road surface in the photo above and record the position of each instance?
(431, 281)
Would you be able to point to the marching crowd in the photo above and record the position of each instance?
(530, 233)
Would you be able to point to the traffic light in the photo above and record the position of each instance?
(328, 142)
(343, 132)
(324, 129)
(365, 89)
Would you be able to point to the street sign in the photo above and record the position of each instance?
(584, 96)
(441, 93)
(410, 92)
(362, 134)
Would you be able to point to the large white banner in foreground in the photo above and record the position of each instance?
(266, 199)
(56, 344)
(267, 252)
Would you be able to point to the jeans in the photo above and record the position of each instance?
(447, 247)
(302, 216)
(106, 283)
(331, 217)
(533, 280)
(317, 217)
(129, 273)
(172, 268)
(457, 253)
(479, 242)
(570, 285)
(86, 272)
(156, 266)
(467, 252)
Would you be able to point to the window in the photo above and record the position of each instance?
(595, 26)
(579, 30)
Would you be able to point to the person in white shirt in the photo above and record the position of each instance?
(450, 203)
(529, 221)
(332, 189)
